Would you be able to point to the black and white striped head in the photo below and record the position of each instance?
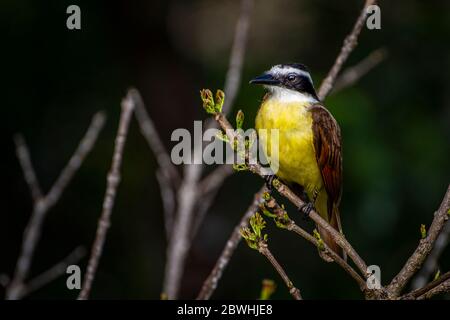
(289, 81)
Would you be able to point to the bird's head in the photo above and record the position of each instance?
(290, 81)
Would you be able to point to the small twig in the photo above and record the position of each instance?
(444, 287)
(208, 187)
(233, 77)
(168, 200)
(429, 287)
(264, 250)
(352, 74)
(113, 181)
(349, 44)
(415, 261)
(27, 167)
(431, 263)
(167, 175)
(187, 198)
(215, 179)
(290, 225)
(210, 284)
(53, 273)
(45, 203)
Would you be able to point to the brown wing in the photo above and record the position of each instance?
(327, 144)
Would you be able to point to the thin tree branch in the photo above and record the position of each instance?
(349, 44)
(112, 182)
(415, 261)
(430, 265)
(53, 273)
(44, 204)
(168, 200)
(27, 167)
(167, 175)
(215, 179)
(208, 188)
(287, 223)
(150, 134)
(179, 243)
(233, 77)
(264, 250)
(352, 74)
(429, 287)
(210, 284)
(444, 287)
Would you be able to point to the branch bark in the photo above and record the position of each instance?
(180, 241)
(167, 174)
(112, 184)
(210, 284)
(431, 263)
(42, 204)
(53, 273)
(351, 75)
(264, 250)
(349, 44)
(415, 261)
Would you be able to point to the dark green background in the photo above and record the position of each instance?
(395, 125)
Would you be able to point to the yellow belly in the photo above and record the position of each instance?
(297, 160)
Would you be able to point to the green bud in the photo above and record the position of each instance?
(220, 99)
(423, 231)
(437, 275)
(239, 119)
(320, 244)
(268, 288)
(208, 100)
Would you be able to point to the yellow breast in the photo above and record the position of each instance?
(297, 160)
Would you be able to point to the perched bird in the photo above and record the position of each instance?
(310, 159)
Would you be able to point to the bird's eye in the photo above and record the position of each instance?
(292, 77)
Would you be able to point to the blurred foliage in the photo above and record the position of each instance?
(395, 124)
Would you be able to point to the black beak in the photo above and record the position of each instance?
(265, 78)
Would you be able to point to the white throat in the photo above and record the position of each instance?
(288, 95)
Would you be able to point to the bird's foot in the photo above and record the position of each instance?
(269, 180)
(306, 209)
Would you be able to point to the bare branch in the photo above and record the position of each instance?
(179, 243)
(282, 218)
(53, 273)
(429, 287)
(264, 250)
(168, 200)
(351, 75)
(187, 198)
(444, 287)
(76, 160)
(215, 179)
(431, 263)
(233, 77)
(150, 134)
(210, 284)
(44, 204)
(23, 155)
(349, 44)
(112, 181)
(167, 175)
(415, 261)
(208, 188)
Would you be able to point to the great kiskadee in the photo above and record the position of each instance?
(309, 152)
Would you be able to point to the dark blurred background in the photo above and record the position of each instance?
(395, 123)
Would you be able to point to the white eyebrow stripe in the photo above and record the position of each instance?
(286, 70)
